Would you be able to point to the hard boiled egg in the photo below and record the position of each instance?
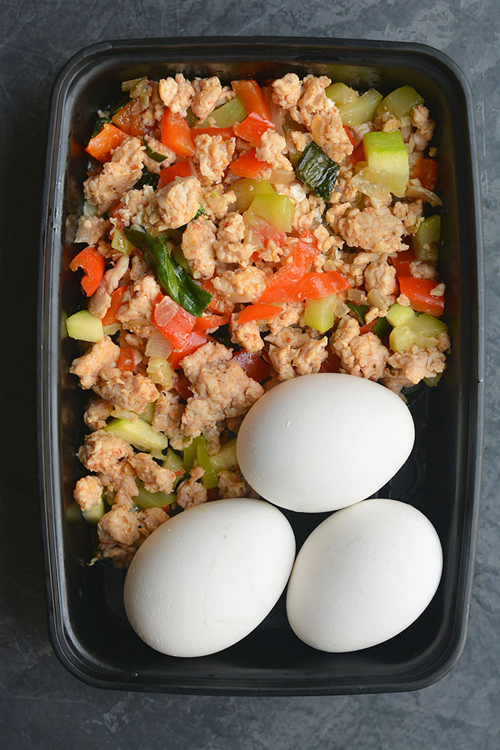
(206, 578)
(363, 575)
(322, 442)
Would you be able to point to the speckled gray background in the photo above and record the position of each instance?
(42, 705)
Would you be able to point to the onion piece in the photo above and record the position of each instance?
(376, 299)
(417, 191)
(158, 346)
(357, 296)
(281, 177)
(165, 311)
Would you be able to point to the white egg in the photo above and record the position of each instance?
(206, 578)
(322, 442)
(363, 575)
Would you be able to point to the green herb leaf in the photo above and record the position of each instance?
(223, 336)
(382, 327)
(359, 311)
(148, 178)
(171, 276)
(317, 171)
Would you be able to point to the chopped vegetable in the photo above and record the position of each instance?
(401, 101)
(339, 93)
(401, 262)
(361, 109)
(359, 311)
(261, 231)
(252, 97)
(252, 128)
(208, 322)
(176, 134)
(155, 155)
(174, 322)
(107, 139)
(399, 315)
(258, 312)
(247, 165)
(223, 336)
(426, 240)
(126, 360)
(419, 330)
(226, 458)
(160, 372)
(317, 171)
(93, 515)
(171, 276)
(252, 364)
(275, 209)
(129, 118)
(174, 462)
(148, 178)
(247, 189)
(138, 433)
(121, 243)
(319, 313)
(115, 304)
(226, 115)
(218, 303)
(194, 341)
(306, 249)
(85, 327)
(145, 499)
(386, 152)
(418, 292)
(426, 171)
(179, 169)
(92, 264)
(209, 478)
(382, 327)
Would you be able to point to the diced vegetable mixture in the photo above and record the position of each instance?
(235, 236)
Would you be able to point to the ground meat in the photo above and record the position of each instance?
(287, 91)
(101, 299)
(155, 477)
(355, 264)
(362, 355)
(160, 148)
(97, 413)
(138, 268)
(167, 417)
(242, 285)
(232, 484)
(421, 270)
(424, 125)
(150, 519)
(102, 450)
(246, 335)
(176, 94)
(120, 484)
(89, 366)
(208, 354)
(374, 229)
(216, 203)
(330, 135)
(121, 524)
(229, 247)
(138, 207)
(88, 492)
(220, 390)
(417, 364)
(91, 229)
(179, 201)
(300, 140)
(126, 390)
(206, 96)
(139, 300)
(190, 492)
(312, 99)
(295, 353)
(117, 176)
(381, 276)
(290, 316)
(198, 247)
(213, 154)
(271, 149)
(410, 214)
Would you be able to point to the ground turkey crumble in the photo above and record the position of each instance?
(194, 196)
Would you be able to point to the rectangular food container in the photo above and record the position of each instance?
(89, 630)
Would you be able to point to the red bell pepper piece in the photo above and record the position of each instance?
(401, 262)
(418, 292)
(208, 322)
(310, 286)
(331, 363)
(101, 145)
(176, 134)
(173, 321)
(253, 127)
(115, 304)
(126, 360)
(129, 119)
(252, 364)
(358, 154)
(426, 171)
(264, 230)
(194, 341)
(179, 169)
(258, 312)
(305, 251)
(247, 165)
(252, 97)
(92, 263)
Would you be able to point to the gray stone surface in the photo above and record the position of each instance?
(42, 705)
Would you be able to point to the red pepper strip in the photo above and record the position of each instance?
(252, 128)
(418, 292)
(218, 303)
(402, 262)
(349, 134)
(173, 321)
(129, 118)
(126, 360)
(208, 322)
(426, 171)
(114, 306)
(258, 312)
(92, 263)
(249, 166)
(252, 97)
(194, 341)
(182, 386)
(113, 211)
(310, 286)
(264, 230)
(176, 134)
(101, 145)
(358, 154)
(331, 363)
(252, 364)
(226, 133)
(368, 327)
(179, 169)
(305, 251)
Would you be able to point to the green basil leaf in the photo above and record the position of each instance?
(317, 171)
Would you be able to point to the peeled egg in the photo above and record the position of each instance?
(322, 442)
(363, 576)
(206, 578)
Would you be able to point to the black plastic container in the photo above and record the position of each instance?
(88, 626)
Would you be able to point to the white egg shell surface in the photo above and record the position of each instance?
(322, 442)
(206, 578)
(363, 576)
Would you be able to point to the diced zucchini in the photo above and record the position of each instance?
(401, 339)
(247, 189)
(319, 313)
(427, 326)
(121, 243)
(226, 458)
(138, 433)
(174, 462)
(432, 382)
(276, 209)
(340, 93)
(401, 101)
(225, 116)
(189, 455)
(361, 109)
(373, 183)
(147, 499)
(148, 413)
(160, 372)
(426, 240)
(155, 155)
(386, 152)
(419, 330)
(399, 315)
(85, 327)
(94, 515)
(209, 478)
